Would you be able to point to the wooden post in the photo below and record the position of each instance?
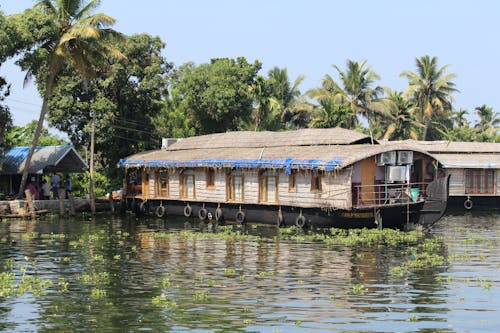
(31, 207)
(62, 195)
(111, 202)
(71, 204)
(91, 170)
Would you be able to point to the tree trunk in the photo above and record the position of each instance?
(426, 127)
(38, 131)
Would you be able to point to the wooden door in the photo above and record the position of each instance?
(368, 181)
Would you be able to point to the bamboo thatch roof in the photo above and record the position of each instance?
(453, 146)
(470, 160)
(322, 157)
(248, 139)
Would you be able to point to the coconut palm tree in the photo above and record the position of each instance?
(400, 123)
(355, 89)
(489, 121)
(459, 118)
(286, 96)
(430, 90)
(330, 114)
(79, 39)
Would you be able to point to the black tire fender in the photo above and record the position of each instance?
(188, 211)
(468, 204)
(202, 214)
(300, 221)
(280, 220)
(160, 211)
(143, 207)
(218, 214)
(240, 217)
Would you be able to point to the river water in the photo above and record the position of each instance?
(120, 274)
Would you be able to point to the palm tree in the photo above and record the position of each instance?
(286, 96)
(460, 119)
(330, 114)
(400, 122)
(429, 89)
(489, 121)
(354, 90)
(78, 38)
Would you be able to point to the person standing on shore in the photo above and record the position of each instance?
(45, 190)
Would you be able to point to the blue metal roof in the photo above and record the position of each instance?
(45, 157)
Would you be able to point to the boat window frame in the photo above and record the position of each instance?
(292, 182)
(184, 176)
(162, 191)
(264, 177)
(210, 178)
(316, 182)
(479, 181)
(230, 186)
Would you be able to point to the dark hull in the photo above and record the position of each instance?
(396, 216)
(476, 202)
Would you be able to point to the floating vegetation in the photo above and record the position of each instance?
(27, 283)
(200, 296)
(358, 289)
(97, 293)
(230, 272)
(99, 278)
(163, 301)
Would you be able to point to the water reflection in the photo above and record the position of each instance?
(113, 274)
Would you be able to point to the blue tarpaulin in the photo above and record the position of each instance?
(287, 164)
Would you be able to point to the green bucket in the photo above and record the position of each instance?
(414, 193)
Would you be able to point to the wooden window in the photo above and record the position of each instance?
(161, 182)
(187, 185)
(268, 187)
(315, 182)
(145, 182)
(479, 181)
(210, 176)
(235, 187)
(292, 185)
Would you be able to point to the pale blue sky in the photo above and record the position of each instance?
(308, 37)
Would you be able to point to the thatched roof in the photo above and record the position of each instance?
(453, 154)
(321, 157)
(470, 160)
(247, 139)
(45, 159)
(453, 146)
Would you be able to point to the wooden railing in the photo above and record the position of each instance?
(380, 195)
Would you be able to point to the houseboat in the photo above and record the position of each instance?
(309, 177)
(474, 170)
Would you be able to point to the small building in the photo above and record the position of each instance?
(45, 160)
(474, 169)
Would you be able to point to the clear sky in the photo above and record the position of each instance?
(308, 37)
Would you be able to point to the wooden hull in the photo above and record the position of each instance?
(395, 216)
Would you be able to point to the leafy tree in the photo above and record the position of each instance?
(354, 89)
(125, 100)
(216, 96)
(459, 118)
(72, 35)
(400, 123)
(430, 90)
(286, 96)
(489, 124)
(5, 116)
(330, 114)
(23, 136)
